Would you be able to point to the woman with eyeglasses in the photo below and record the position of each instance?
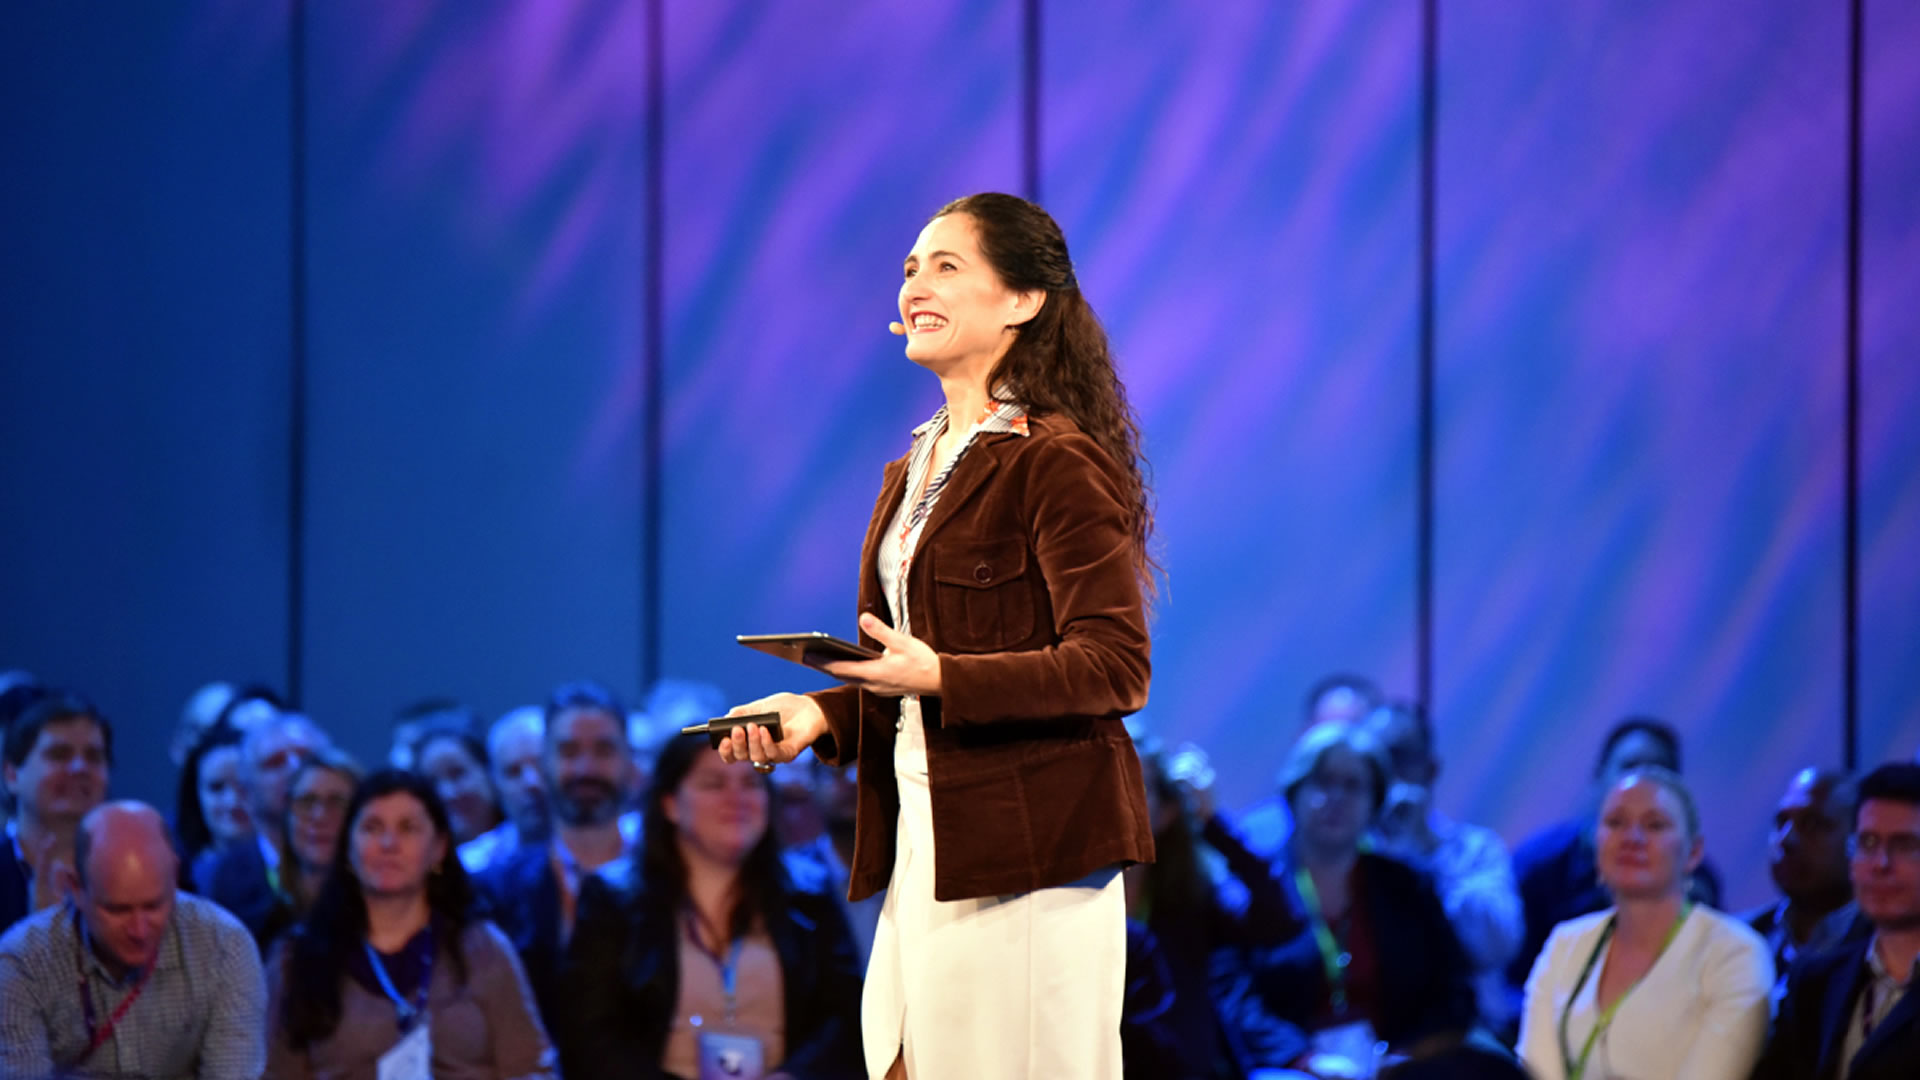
(389, 974)
(1655, 987)
(1376, 971)
(317, 799)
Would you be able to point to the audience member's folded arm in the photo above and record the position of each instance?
(283, 1061)
(1733, 1022)
(1539, 1040)
(1484, 907)
(521, 1049)
(234, 1046)
(24, 1047)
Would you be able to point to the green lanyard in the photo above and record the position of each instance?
(1600, 1026)
(1332, 957)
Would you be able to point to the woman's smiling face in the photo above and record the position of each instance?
(952, 302)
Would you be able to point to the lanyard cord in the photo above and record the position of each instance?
(1333, 959)
(729, 968)
(98, 1036)
(404, 1011)
(1576, 1068)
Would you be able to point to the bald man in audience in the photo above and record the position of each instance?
(130, 978)
(1807, 857)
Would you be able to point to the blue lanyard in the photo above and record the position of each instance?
(405, 1012)
(729, 968)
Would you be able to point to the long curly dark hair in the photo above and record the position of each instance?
(1060, 361)
(336, 927)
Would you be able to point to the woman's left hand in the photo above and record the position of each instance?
(909, 665)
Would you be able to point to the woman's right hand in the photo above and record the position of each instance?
(801, 722)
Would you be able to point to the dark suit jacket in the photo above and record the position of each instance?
(519, 893)
(1810, 1032)
(235, 877)
(1425, 986)
(15, 904)
(1024, 583)
(622, 981)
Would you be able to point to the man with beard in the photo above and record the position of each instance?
(531, 892)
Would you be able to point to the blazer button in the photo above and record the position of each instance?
(983, 573)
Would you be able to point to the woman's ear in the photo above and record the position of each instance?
(1026, 305)
(1697, 854)
(670, 806)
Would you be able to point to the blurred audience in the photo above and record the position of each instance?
(57, 755)
(210, 800)
(1341, 698)
(390, 974)
(18, 689)
(133, 978)
(515, 745)
(317, 800)
(1851, 1012)
(821, 833)
(1469, 864)
(197, 716)
(531, 892)
(1191, 1010)
(1655, 987)
(245, 875)
(1377, 963)
(703, 947)
(1556, 869)
(1807, 858)
(451, 752)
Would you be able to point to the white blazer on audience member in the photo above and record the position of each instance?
(1699, 1014)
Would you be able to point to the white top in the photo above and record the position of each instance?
(1699, 1014)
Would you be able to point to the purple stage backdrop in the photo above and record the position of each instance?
(332, 330)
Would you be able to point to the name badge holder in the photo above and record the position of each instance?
(726, 1054)
(412, 1057)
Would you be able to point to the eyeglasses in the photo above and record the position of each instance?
(1898, 847)
(306, 805)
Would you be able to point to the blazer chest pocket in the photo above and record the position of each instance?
(982, 601)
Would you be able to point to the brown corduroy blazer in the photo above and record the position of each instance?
(1024, 582)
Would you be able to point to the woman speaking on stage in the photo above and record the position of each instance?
(1004, 577)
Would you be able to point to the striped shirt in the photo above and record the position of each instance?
(903, 535)
(202, 1012)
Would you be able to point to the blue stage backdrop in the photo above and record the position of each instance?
(333, 331)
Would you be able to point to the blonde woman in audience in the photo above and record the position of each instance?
(1656, 987)
(390, 975)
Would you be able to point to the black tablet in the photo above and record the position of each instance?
(810, 649)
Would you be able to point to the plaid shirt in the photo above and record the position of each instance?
(202, 1013)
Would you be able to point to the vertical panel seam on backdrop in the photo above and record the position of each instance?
(1429, 134)
(1030, 94)
(296, 347)
(653, 411)
(1850, 662)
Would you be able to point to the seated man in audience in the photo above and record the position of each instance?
(244, 877)
(1851, 1012)
(1336, 699)
(58, 751)
(1469, 864)
(515, 745)
(828, 796)
(1556, 868)
(1808, 861)
(531, 892)
(168, 985)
